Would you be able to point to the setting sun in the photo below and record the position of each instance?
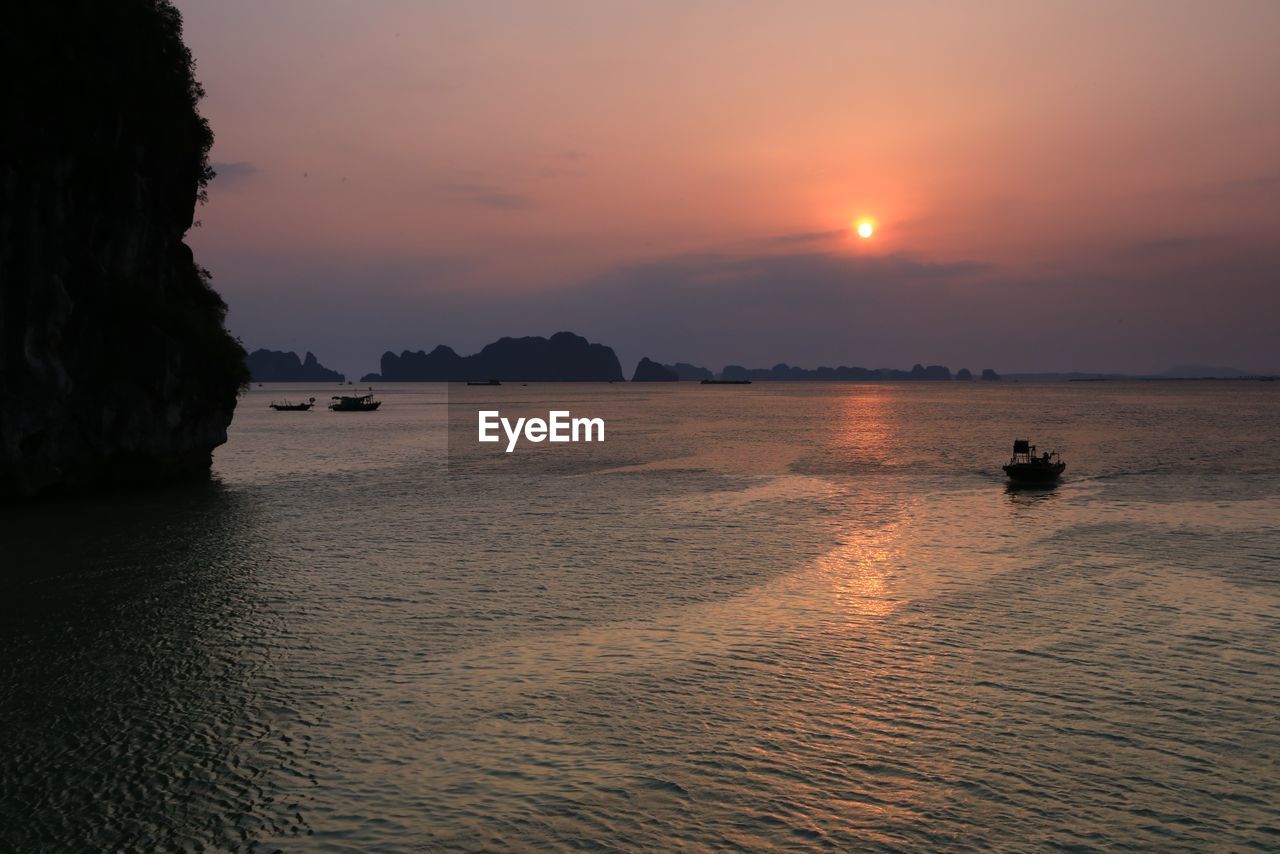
(866, 229)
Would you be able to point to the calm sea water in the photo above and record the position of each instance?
(800, 615)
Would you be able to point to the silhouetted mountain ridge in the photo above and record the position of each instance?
(1180, 372)
(564, 357)
(648, 371)
(280, 366)
(783, 371)
(686, 371)
(1203, 372)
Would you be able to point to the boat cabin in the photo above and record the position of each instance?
(1024, 454)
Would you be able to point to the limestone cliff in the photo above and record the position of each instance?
(115, 366)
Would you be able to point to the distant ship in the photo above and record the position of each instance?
(726, 382)
(346, 403)
(485, 382)
(293, 407)
(1026, 467)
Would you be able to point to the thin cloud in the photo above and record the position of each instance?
(230, 173)
(1253, 184)
(484, 195)
(1160, 247)
(802, 238)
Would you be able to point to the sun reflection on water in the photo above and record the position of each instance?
(858, 573)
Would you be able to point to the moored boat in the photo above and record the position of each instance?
(286, 406)
(352, 403)
(1027, 468)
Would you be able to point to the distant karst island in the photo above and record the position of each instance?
(686, 371)
(783, 371)
(564, 357)
(567, 357)
(648, 371)
(278, 366)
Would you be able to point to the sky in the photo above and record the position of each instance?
(1087, 186)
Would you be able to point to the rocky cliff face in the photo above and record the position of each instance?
(115, 366)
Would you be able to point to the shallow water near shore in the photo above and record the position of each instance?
(792, 614)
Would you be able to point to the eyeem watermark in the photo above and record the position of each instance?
(558, 426)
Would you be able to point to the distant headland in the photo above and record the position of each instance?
(567, 357)
(564, 357)
(686, 371)
(649, 371)
(783, 371)
(279, 366)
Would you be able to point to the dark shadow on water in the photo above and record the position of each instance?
(134, 628)
(1028, 494)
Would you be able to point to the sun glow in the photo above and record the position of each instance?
(866, 228)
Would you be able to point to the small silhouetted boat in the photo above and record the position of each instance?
(726, 382)
(485, 382)
(349, 403)
(293, 407)
(1026, 467)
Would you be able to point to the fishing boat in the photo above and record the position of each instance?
(1027, 468)
(350, 403)
(286, 406)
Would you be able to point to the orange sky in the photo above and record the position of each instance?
(527, 147)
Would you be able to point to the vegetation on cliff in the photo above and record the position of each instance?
(115, 364)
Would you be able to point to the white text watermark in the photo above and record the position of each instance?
(559, 426)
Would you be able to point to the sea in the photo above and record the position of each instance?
(784, 615)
